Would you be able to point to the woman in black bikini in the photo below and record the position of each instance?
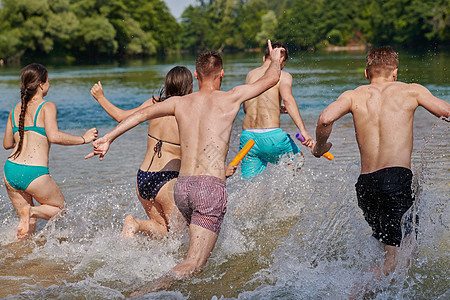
(159, 170)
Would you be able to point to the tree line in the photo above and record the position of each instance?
(127, 28)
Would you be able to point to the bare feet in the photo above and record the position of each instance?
(32, 226)
(130, 227)
(162, 283)
(23, 229)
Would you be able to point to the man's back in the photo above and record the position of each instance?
(383, 115)
(263, 111)
(205, 121)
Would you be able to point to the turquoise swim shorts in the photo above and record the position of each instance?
(269, 147)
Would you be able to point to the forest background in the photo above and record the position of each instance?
(80, 29)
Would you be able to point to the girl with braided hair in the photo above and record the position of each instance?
(30, 130)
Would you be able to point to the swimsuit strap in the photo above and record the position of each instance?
(157, 149)
(37, 112)
(35, 116)
(163, 140)
(13, 121)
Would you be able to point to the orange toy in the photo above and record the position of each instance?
(242, 153)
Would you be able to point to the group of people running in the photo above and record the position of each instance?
(182, 180)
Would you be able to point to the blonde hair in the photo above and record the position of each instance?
(381, 61)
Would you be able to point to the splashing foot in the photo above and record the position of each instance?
(130, 227)
(23, 229)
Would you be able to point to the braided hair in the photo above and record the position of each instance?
(31, 76)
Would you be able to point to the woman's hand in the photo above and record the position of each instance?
(90, 135)
(101, 147)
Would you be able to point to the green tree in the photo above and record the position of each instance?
(337, 23)
(298, 26)
(250, 21)
(268, 27)
(212, 25)
(195, 28)
(95, 36)
(154, 18)
(438, 20)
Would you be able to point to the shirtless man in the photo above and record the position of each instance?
(262, 120)
(383, 114)
(204, 120)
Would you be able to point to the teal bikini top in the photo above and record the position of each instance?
(40, 130)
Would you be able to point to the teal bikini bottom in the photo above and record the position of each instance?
(20, 176)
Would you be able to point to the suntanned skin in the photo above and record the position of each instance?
(204, 120)
(263, 111)
(162, 211)
(35, 151)
(383, 114)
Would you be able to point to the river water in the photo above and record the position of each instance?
(287, 234)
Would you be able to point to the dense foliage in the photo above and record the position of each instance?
(85, 28)
(309, 24)
(118, 28)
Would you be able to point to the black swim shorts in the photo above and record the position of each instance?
(384, 197)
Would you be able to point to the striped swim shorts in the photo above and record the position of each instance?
(202, 200)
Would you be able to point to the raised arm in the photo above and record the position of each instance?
(434, 105)
(113, 111)
(329, 115)
(269, 79)
(292, 109)
(8, 139)
(161, 109)
(56, 136)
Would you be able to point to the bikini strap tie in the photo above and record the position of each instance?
(156, 150)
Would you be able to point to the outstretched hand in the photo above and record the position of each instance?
(97, 90)
(101, 147)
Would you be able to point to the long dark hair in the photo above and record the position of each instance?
(31, 76)
(178, 82)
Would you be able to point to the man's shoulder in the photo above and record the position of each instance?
(409, 85)
(256, 73)
(285, 76)
(257, 70)
(357, 90)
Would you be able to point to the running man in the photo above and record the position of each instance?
(262, 120)
(383, 114)
(204, 120)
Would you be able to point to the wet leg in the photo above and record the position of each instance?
(22, 203)
(151, 228)
(159, 211)
(201, 244)
(378, 272)
(130, 227)
(45, 191)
